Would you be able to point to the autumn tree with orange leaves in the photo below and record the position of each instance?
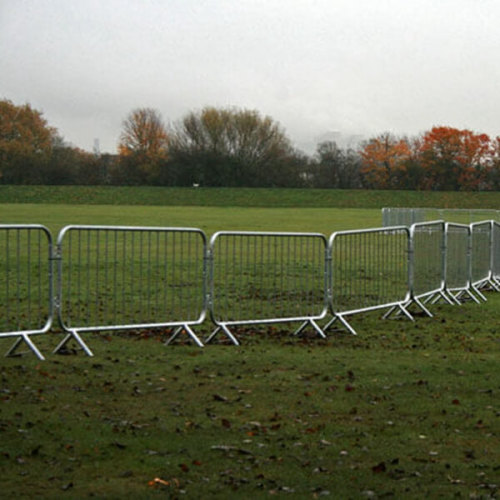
(143, 147)
(384, 161)
(454, 159)
(443, 158)
(25, 144)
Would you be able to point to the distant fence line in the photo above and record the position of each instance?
(104, 278)
(399, 216)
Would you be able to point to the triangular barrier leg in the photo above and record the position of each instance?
(72, 334)
(422, 307)
(31, 345)
(403, 309)
(313, 323)
(346, 324)
(481, 295)
(226, 330)
(189, 331)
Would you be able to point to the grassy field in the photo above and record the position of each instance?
(403, 410)
(209, 219)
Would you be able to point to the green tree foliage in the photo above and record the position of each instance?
(232, 147)
(337, 168)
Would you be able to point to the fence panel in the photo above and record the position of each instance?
(481, 255)
(402, 216)
(114, 277)
(261, 277)
(427, 275)
(26, 298)
(369, 270)
(495, 260)
(458, 271)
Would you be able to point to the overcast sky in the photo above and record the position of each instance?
(315, 66)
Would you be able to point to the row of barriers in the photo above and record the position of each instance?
(105, 278)
(400, 216)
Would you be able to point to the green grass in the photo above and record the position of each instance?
(208, 219)
(245, 197)
(404, 410)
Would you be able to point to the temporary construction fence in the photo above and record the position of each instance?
(25, 283)
(400, 216)
(117, 277)
(260, 277)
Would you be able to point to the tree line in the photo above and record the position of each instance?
(240, 147)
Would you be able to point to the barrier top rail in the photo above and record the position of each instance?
(158, 229)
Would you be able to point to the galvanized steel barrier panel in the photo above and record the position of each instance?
(118, 277)
(408, 216)
(495, 257)
(401, 216)
(369, 270)
(263, 277)
(458, 270)
(26, 298)
(481, 256)
(427, 267)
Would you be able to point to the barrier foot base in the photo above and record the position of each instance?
(12, 351)
(481, 295)
(73, 335)
(313, 323)
(464, 294)
(189, 331)
(226, 330)
(342, 320)
(420, 304)
(401, 309)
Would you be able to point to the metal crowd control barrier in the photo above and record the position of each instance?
(427, 264)
(401, 216)
(369, 270)
(263, 277)
(117, 277)
(26, 297)
(481, 257)
(408, 216)
(458, 262)
(495, 255)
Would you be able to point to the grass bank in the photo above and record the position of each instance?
(245, 197)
